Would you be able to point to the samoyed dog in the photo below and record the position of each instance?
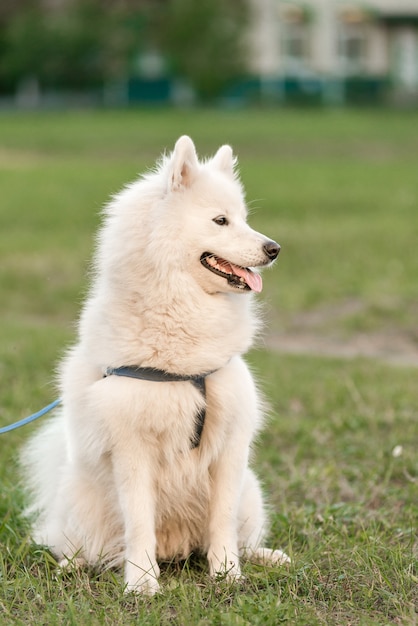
(148, 458)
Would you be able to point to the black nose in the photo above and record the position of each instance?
(272, 249)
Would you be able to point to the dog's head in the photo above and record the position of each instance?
(222, 250)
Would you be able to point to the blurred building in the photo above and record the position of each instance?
(298, 51)
(335, 51)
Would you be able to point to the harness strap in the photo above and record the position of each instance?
(156, 375)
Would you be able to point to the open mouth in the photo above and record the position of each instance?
(237, 276)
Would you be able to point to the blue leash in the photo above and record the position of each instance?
(31, 418)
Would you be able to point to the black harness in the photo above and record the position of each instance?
(160, 376)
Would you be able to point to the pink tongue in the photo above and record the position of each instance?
(253, 280)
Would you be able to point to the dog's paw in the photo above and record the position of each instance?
(147, 585)
(232, 575)
(277, 557)
(74, 564)
(266, 556)
(142, 581)
(225, 569)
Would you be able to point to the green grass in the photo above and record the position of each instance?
(338, 190)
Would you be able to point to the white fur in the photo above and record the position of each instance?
(113, 477)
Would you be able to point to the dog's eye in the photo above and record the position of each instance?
(221, 220)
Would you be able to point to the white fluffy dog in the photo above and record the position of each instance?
(148, 459)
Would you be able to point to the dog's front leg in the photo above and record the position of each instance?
(227, 479)
(132, 467)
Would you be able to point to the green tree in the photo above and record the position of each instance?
(204, 42)
(77, 44)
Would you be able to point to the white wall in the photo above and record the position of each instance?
(266, 58)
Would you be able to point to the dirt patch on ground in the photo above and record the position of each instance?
(392, 348)
(309, 334)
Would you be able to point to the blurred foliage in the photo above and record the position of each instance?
(204, 42)
(79, 44)
(73, 44)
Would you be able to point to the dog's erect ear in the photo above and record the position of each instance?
(184, 166)
(225, 161)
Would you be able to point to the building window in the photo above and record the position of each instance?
(352, 50)
(294, 46)
(352, 40)
(295, 38)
